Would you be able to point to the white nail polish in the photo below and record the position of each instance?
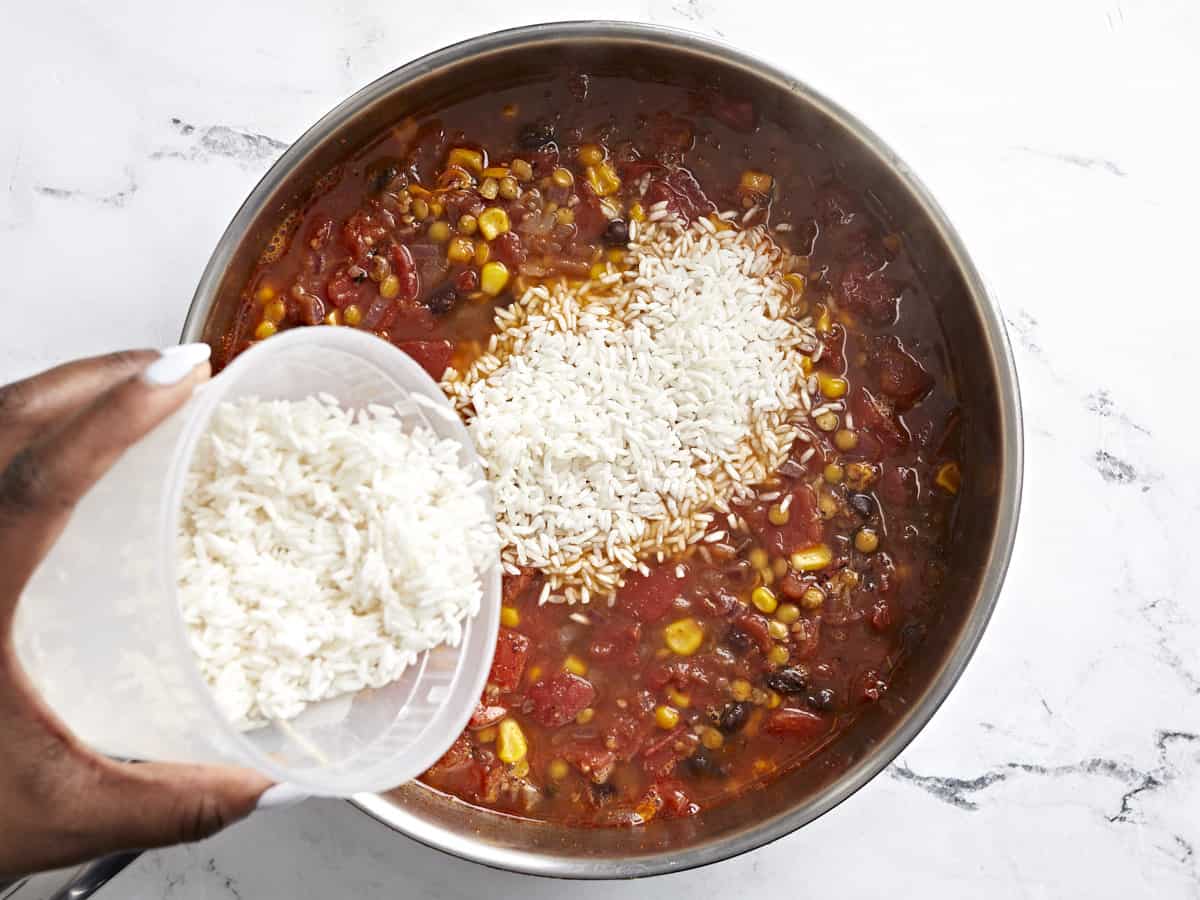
(280, 795)
(174, 364)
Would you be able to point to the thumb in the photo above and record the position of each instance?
(154, 804)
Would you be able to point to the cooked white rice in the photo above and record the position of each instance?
(321, 552)
(613, 419)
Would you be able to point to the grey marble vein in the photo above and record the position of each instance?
(208, 141)
(1078, 159)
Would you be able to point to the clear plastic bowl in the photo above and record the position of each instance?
(100, 632)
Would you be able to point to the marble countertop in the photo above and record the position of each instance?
(1061, 138)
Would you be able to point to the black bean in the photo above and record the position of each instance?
(792, 680)
(733, 717)
(863, 504)
(602, 793)
(617, 233)
(535, 135)
(704, 765)
(738, 641)
(442, 300)
(823, 700)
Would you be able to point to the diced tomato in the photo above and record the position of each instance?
(512, 650)
(649, 597)
(738, 114)
(872, 686)
(682, 192)
(871, 294)
(899, 485)
(616, 640)
(663, 751)
(802, 529)
(756, 627)
(320, 232)
(341, 289)
(485, 716)
(881, 615)
(900, 376)
(594, 762)
(680, 672)
(513, 586)
(506, 248)
(833, 356)
(625, 734)
(590, 218)
(800, 722)
(457, 757)
(878, 418)
(405, 270)
(432, 356)
(360, 233)
(560, 698)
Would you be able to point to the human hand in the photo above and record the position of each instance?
(61, 802)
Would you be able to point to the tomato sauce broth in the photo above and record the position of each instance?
(724, 668)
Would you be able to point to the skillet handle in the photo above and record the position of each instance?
(92, 876)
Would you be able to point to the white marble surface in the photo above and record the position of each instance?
(1061, 137)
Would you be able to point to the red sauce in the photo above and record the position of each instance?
(617, 726)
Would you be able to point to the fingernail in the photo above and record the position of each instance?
(280, 795)
(174, 364)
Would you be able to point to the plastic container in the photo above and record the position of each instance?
(100, 632)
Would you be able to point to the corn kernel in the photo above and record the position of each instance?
(264, 330)
(764, 600)
(493, 278)
(861, 475)
(510, 616)
(521, 170)
(806, 365)
(763, 767)
(585, 715)
(812, 598)
(564, 216)
(777, 630)
(482, 252)
(759, 558)
(509, 189)
(333, 317)
(766, 575)
(598, 270)
(460, 250)
(534, 673)
(495, 172)
(490, 188)
(603, 178)
(419, 209)
(778, 514)
(832, 386)
(439, 231)
(511, 745)
(646, 810)
(275, 311)
(562, 178)
(866, 540)
(436, 208)
(684, 636)
(712, 739)
(467, 224)
(740, 689)
(493, 222)
(666, 717)
(845, 440)
(520, 768)
(558, 769)
(949, 477)
(813, 558)
(797, 282)
(834, 473)
(787, 613)
(575, 665)
(487, 735)
(778, 655)
(471, 160)
(615, 255)
(678, 698)
(636, 212)
(779, 566)
(265, 294)
(759, 182)
(824, 319)
(827, 504)
(591, 154)
(352, 314)
(389, 288)
(773, 700)
(827, 421)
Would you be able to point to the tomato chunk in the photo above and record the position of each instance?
(512, 650)
(900, 376)
(649, 597)
(432, 356)
(486, 715)
(560, 698)
(802, 529)
(594, 762)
